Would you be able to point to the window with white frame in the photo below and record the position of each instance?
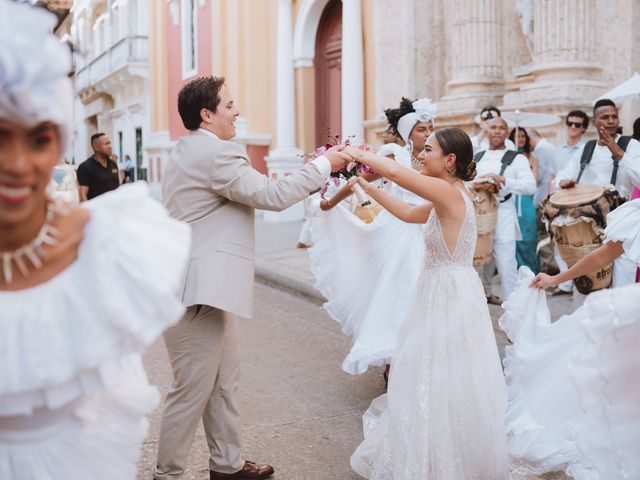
(189, 28)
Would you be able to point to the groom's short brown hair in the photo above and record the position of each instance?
(195, 95)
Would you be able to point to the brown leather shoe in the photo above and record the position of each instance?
(250, 471)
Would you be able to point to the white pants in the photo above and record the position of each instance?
(504, 257)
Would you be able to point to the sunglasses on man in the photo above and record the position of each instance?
(575, 124)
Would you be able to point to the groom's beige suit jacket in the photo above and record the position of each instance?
(210, 184)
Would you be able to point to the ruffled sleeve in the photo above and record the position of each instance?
(64, 338)
(623, 225)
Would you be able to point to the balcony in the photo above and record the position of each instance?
(125, 60)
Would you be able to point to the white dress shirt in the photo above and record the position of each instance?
(546, 153)
(564, 154)
(518, 180)
(598, 171)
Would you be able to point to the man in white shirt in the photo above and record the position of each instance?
(514, 178)
(577, 123)
(606, 154)
(481, 140)
(545, 152)
(610, 164)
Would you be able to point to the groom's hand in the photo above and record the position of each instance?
(337, 158)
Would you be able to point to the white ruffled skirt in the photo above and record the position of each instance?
(96, 437)
(368, 274)
(574, 385)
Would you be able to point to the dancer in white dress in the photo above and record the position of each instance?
(443, 415)
(371, 302)
(573, 384)
(83, 290)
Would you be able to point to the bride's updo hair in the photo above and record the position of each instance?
(395, 114)
(455, 140)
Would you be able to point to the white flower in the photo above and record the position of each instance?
(425, 109)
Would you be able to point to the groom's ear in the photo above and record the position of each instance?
(205, 115)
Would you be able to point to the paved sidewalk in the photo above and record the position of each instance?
(280, 264)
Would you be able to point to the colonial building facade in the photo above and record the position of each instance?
(112, 76)
(304, 70)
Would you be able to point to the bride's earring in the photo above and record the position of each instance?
(449, 170)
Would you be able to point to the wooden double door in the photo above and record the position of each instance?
(328, 72)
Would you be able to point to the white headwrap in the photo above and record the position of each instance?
(34, 86)
(424, 110)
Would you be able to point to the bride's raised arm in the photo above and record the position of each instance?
(437, 191)
(404, 211)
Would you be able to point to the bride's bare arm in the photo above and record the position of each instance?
(404, 211)
(440, 193)
(600, 257)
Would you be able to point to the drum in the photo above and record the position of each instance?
(575, 219)
(486, 207)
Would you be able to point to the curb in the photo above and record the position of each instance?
(286, 283)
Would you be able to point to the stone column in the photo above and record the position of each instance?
(476, 43)
(352, 82)
(476, 54)
(286, 156)
(565, 72)
(564, 36)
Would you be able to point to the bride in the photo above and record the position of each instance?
(443, 415)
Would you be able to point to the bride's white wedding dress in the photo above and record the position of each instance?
(368, 273)
(443, 415)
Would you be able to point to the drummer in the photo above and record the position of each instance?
(601, 170)
(514, 178)
(600, 167)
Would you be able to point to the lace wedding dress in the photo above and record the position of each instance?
(443, 415)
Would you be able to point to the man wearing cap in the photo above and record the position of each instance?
(512, 174)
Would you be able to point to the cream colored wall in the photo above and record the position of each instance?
(305, 115)
(159, 107)
(244, 52)
(373, 129)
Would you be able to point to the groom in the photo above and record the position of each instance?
(210, 184)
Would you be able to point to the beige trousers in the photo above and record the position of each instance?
(204, 355)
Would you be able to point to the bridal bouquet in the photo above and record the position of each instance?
(365, 210)
(352, 169)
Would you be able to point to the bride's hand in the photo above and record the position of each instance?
(354, 153)
(543, 280)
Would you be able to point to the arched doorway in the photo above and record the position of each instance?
(328, 66)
